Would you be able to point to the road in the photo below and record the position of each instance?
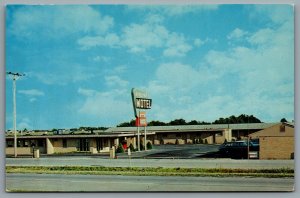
(106, 183)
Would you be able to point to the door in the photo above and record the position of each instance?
(99, 144)
(84, 144)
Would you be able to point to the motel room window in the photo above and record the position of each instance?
(219, 134)
(10, 143)
(40, 143)
(65, 143)
(26, 143)
(282, 128)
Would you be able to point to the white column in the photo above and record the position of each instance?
(15, 116)
(145, 140)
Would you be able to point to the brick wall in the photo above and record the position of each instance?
(276, 147)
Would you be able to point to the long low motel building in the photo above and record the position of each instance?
(103, 141)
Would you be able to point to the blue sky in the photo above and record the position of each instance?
(197, 62)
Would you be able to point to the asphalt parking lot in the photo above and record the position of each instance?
(187, 151)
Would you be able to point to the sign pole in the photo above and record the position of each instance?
(145, 142)
(15, 116)
(138, 129)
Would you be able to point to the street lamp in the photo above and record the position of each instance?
(15, 77)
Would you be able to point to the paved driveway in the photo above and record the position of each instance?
(174, 151)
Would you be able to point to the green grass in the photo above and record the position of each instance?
(148, 171)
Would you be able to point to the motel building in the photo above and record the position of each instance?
(101, 141)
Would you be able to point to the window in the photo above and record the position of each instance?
(219, 134)
(10, 143)
(40, 143)
(282, 128)
(26, 143)
(65, 143)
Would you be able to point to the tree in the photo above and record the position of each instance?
(193, 122)
(156, 123)
(127, 124)
(178, 122)
(149, 146)
(283, 120)
(236, 120)
(120, 149)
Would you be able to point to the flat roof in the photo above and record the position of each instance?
(195, 127)
(132, 131)
(79, 136)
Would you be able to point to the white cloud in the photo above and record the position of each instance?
(174, 10)
(177, 75)
(86, 92)
(76, 73)
(32, 92)
(140, 37)
(184, 9)
(154, 19)
(87, 42)
(101, 58)
(255, 78)
(57, 21)
(262, 37)
(263, 71)
(120, 69)
(198, 42)
(112, 107)
(115, 81)
(237, 33)
(278, 14)
(176, 45)
(24, 123)
(32, 99)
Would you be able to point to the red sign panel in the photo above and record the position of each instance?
(141, 119)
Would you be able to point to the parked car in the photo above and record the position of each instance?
(238, 149)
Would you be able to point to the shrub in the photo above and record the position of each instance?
(162, 141)
(120, 149)
(131, 147)
(149, 146)
(142, 146)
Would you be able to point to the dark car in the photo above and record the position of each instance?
(238, 149)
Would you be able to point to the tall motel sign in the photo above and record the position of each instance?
(141, 102)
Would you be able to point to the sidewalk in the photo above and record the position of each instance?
(184, 163)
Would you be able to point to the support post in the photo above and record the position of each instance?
(15, 116)
(145, 140)
(138, 130)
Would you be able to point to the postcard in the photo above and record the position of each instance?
(149, 98)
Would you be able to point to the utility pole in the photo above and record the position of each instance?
(15, 77)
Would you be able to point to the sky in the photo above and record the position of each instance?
(196, 62)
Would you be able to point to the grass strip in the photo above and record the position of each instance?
(151, 171)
